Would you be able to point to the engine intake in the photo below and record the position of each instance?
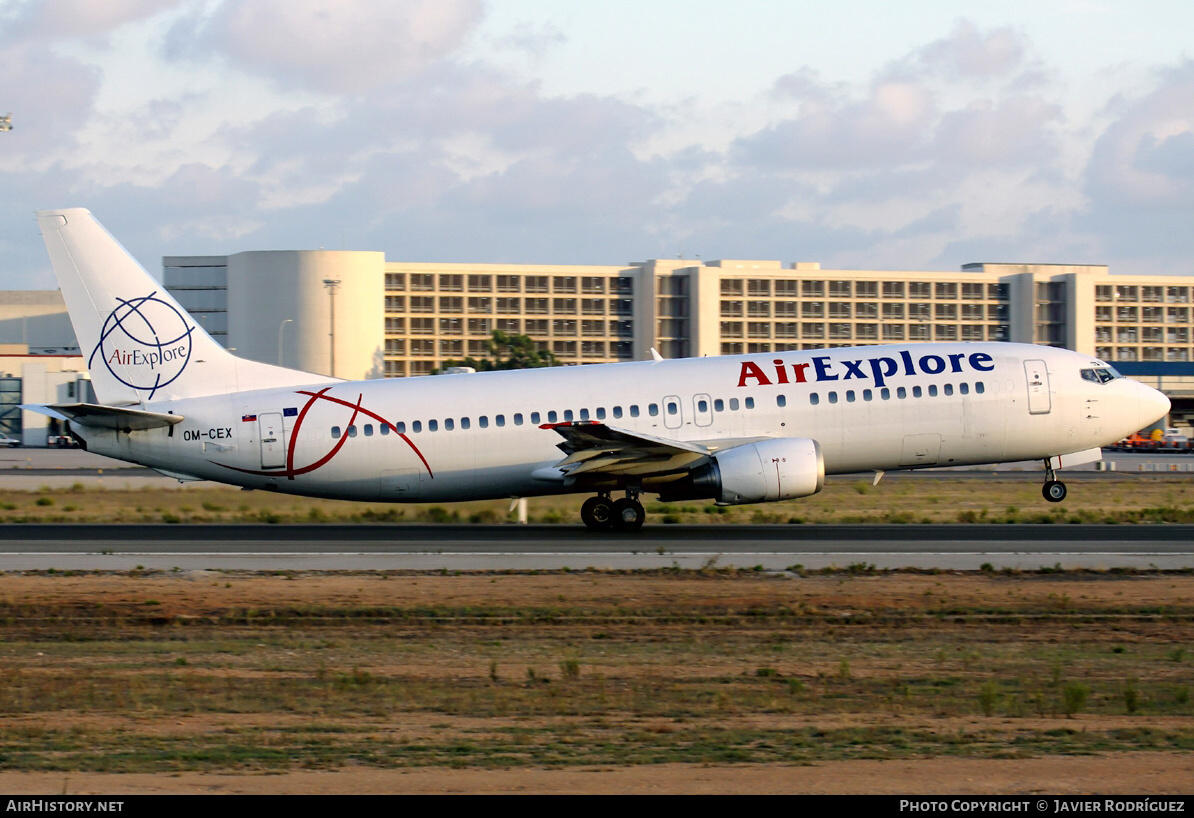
(762, 472)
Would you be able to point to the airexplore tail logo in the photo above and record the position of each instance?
(145, 343)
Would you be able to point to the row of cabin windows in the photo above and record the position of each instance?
(886, 393)
(536, 418)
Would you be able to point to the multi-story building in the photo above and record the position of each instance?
(399, 319)
(356, 315)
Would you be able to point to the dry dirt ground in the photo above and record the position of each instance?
(687, 627)
(1125, 773)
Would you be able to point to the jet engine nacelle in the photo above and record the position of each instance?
(762, 472)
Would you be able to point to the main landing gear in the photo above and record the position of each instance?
(602, 514)
(1054, 490)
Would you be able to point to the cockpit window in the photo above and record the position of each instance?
(1100, 374)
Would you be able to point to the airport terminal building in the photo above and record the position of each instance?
(353, 314)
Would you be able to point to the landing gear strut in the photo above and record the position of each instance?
(602, 514)
(1054, 490)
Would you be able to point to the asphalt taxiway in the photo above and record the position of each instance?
(513, 547)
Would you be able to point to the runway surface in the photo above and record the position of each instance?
(511, 547)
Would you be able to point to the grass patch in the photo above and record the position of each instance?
(899, 499)
(150, 673)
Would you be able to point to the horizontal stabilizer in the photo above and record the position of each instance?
(107, 417)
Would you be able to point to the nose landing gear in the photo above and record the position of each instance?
(1054, 490)
(602, 514)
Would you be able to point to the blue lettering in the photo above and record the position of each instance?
(978, 359)
(853, 370)
(882, 368)
(821, 364)
(909, 369)
(932, 364)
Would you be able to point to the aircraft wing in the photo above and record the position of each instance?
(594, 449)
(106, 417)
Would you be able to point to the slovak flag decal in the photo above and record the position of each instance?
(247, 418)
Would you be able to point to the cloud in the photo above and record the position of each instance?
(832, 131)
(51, 99)
(67, 19)
(968, 53)
(334, 46)
(1144, 157)
(1140, 177)
(1012, 132)
(369, 133)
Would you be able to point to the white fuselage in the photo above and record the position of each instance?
(482, 435)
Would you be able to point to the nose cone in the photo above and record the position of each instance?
(1153, 405)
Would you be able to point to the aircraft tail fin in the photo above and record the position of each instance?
(140, 345)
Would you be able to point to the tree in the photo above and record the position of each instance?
(506, 351)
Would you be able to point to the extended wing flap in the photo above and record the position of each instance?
(107, 417)
(595, 449)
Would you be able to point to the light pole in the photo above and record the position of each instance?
(332, 284)
(281, 327)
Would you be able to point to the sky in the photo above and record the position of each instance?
(861, 134)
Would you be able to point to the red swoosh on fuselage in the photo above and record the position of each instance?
(376, 417)
(290, 472)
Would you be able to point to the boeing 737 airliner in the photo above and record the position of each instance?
(734, 429)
